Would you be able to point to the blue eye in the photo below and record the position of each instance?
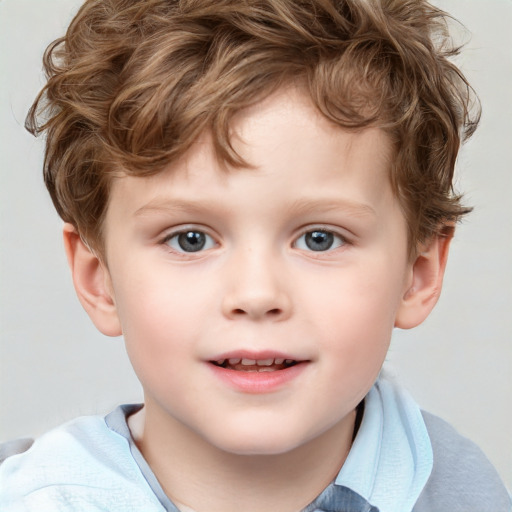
(319, 240)
(190, 241)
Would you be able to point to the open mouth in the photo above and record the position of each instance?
(255, 365)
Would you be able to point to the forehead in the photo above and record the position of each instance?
(289, 119)
(291, 149)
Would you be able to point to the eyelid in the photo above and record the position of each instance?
(335, 230)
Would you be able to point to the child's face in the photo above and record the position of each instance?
(302, 258)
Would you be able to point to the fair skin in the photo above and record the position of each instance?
(302, 257)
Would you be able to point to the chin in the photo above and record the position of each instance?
(259, 444)
(258, 449)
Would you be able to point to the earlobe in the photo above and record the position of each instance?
(91, 281)
(425, 282)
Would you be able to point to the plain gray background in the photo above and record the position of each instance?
(55, 366)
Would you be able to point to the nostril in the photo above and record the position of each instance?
(270, 312)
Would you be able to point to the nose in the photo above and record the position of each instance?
(256, 288)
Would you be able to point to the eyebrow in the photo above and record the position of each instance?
(300, 206)
(355, 208)
(168, 205)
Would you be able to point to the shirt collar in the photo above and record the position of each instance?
(391, 458)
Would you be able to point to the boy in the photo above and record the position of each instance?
(255, 194)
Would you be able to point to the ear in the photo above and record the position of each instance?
(92, 283)
(425, 281)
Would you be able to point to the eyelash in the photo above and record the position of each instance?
(207, 242)
(336, 239)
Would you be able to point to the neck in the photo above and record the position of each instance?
(204, 478)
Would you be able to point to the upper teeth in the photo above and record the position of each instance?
(255, 362)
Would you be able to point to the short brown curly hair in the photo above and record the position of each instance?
(133, 84)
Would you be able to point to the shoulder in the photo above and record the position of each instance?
(80, 465)
(462, 478)
(14, 447)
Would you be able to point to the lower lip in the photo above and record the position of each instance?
(258, 382)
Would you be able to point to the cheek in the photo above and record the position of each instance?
(361, 300)
(356, 319)
(155, 321)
